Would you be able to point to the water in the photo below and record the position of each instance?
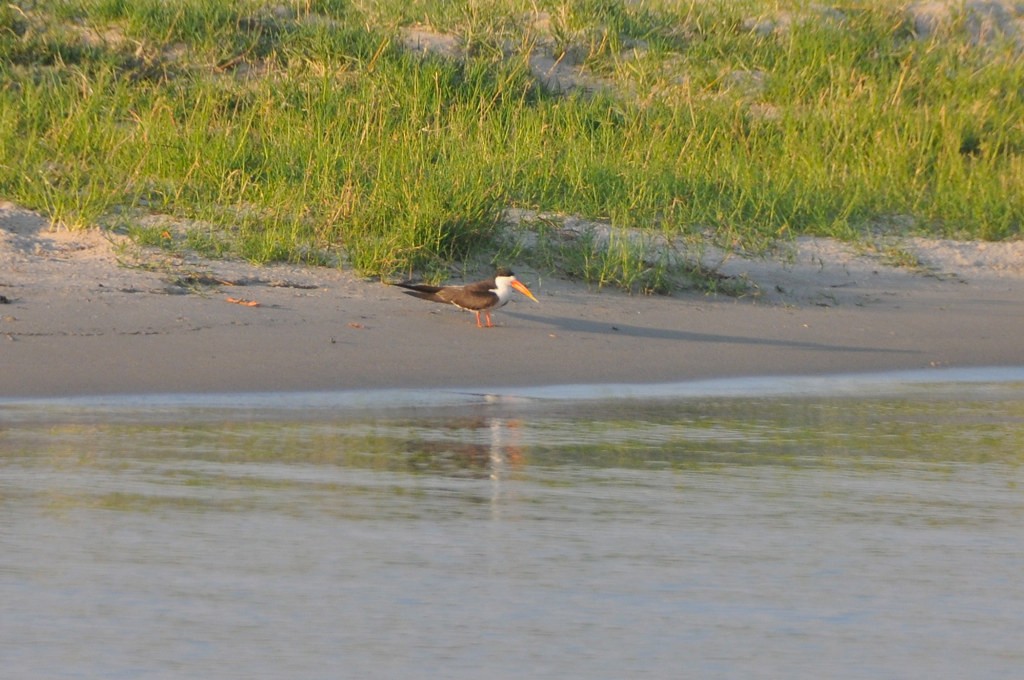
(840, 528)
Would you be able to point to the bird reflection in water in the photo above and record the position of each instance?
(480, 448)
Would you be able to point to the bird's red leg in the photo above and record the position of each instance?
(488, 315)
(478, 324)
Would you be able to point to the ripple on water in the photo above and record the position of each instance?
(842, 528)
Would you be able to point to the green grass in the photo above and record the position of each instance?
(303, 131)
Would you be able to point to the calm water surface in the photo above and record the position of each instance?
(831, 529)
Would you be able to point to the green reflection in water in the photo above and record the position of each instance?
(792, 431)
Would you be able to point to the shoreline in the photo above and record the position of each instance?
(85, 318)
(940, 383)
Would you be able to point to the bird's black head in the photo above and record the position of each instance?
(504, 271)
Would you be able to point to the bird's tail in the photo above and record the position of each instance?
(419, 287)
(421, 290)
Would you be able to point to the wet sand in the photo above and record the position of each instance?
(84, 315)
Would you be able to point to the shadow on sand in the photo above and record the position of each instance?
(649, 333)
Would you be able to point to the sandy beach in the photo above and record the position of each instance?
(84, 315)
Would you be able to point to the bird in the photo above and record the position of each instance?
(476, 297)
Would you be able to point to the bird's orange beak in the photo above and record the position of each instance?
(524, 290)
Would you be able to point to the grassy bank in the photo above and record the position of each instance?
(309, 131)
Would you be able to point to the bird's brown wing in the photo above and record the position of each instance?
(475, 296)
